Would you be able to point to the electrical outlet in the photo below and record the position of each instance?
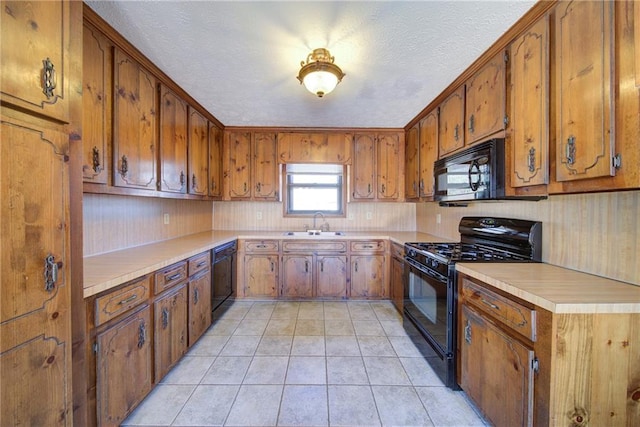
(258, 215)
(438, 219)
(166, 219)
(369, 215)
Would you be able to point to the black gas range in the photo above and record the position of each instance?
(430, 301)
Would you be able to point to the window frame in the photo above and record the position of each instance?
(342, 199)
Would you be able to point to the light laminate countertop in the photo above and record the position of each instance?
(106, 271)
(557, 289)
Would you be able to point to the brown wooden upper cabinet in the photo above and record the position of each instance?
(35, 57)
(421, 151)
(173, 142)
(215, 161)
(585, 139)
(529, 115)
(198, 153)
(451, 123)
(376, 171)
(486, 100)
(412, 163)
(97, 79)
(314, 147)
(134, 124)
(251, 170)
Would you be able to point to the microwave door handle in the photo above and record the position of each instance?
(474, 185)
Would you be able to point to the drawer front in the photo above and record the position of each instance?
(313, 246)
(514, 315)
(122, 300)
(170, 276)
(199, 263)
(397, 250)
(367, 246)
(262, 246)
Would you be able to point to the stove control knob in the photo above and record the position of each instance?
(412, 253)
(434, 263)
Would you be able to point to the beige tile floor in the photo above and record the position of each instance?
(304, 364)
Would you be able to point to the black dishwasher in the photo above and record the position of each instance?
(224, 264)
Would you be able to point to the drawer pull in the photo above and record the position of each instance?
(128, 300)
(490, 304)
(201, 264)
(261, 246)
(174, 277)
(368, 246)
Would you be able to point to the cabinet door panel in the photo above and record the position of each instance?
(363, 167)
(97, 60)
(123, 367)
(198, 179)
(173, 142)
(265, 167)
(134, 125)
(529, 118)
(332, 276)
(368, 277)
(428, 153)
(31, 34)
(261, 275)
(170, 330)
(585, 130)
(238, 174)
(215, 161)
(451, 123)
(485, 100)
(199, 306)
(388, 167)
(297, 280)
(496, 371)
(411, 163)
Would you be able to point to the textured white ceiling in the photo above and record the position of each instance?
(240, 59)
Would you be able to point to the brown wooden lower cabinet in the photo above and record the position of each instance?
(525, 366)
(331, 276)
(396, 279)
(199, 305)
(170, 329)
(368, 276)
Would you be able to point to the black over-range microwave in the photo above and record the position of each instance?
(477, 173)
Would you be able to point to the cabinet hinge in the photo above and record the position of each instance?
(535, 365)
(158, 185)
(95, 348)
(505, 120)
(617, 161)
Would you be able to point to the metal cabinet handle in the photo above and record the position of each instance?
(200, 264)
(456, 132)
(258, 187)
(272, 266)
(306, 266)
(48, 78)
(467, 332)
(142, 334)
(128, 300)
(369, 188)
(124, 166)
(245, 187)
(531, 159)
(213, 184)
(471, 124)
(50, 272)
(415, 186)
(570, 150)
(322, 266)
(383, 188)
(193, 182)
(196, 296)
(174, 277)
(182, 179)
(165, 318)
(261, 246)
(95, 159)
(356, 266)
(490, 304)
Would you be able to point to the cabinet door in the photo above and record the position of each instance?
(198, 154)
(134, 124)
(367, 276)
(35, 322)
(428, 154)
(123, 364)
(215, 161)
(529, 118)
(397, 282)
(170, 331)
(297, 276)
(331, 273)
(486, 100)
(450, 126)
(199, 306)
(35, 39)
(173, 142)
(496, 371)
(261, 275)
(265, 167)
(238, 174)
(314, 147)
(388, 166)
(97, 62)
(363, 167)
(411, 163)
(584, 113)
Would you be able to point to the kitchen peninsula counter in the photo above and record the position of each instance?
(557, 289)
(105, 271)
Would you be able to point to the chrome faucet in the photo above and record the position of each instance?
(315, 216)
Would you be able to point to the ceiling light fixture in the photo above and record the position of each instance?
(319, 74)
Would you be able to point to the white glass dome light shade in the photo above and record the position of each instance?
(319, 74)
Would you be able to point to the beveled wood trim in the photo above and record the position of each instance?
(123, 44)
(533, 14)
(90, 187)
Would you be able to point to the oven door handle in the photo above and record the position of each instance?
(474, 185)
(426, 271)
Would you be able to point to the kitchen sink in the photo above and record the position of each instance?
(314, 233)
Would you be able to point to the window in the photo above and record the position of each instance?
(314, 188)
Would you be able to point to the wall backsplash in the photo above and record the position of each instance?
(117, 222)
(244, 216)
(595, 233)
